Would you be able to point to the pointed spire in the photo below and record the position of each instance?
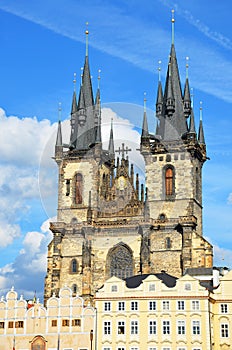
(159, 99)
(192, 128)
(145, 125)
(59, 131)
(74, 99)
(187, 97)
(59, 145)
(98, 98)
(170, 103)
(201, 137)
(111, 141)
(97, 111)
(172, 121)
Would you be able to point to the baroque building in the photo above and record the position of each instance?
(64, 323)
(108, 224)
(159, 311)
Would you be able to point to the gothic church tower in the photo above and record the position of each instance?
(110, 224)
(174, 157)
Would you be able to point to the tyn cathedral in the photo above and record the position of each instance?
(110, 224)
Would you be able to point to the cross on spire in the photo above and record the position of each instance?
(123, 150)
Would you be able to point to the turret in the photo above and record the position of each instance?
(59, 145)
(145, 132)
(201, 137)
(111, 142)
(187, 98)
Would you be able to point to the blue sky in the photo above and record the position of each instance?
(42, 45)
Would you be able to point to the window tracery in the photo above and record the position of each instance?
(120, 262)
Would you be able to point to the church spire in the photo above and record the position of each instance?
(187, 98)
(172, 121)
(83, 117)
(145, 132)
(159, 99)
(201, 137)
(111, 142)
(59, 144)
(97, 111)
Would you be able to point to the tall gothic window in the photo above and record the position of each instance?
(78, 188)
(169, 181)
(120, 262)
(74, 266)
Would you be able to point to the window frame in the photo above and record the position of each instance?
(107, 327)
(181, 327)
(152, 327)
(134, 305)
(166, 327)
(134, 327)
(224, 308)
(224, 330)
(107, 306)
(196, 327)
(152, 305)
(180, 305)
(121, 306)
(195, 305)
(166, 305)
(121, 327)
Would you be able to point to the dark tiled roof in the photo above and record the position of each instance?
(199, 271)
(135, 281)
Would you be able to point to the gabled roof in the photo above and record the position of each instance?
(135, 281)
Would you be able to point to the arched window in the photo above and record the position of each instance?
(169, 181)
(38, 344)
(74, 266)
(120, 262)
(78, 189)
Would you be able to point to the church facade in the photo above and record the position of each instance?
(108, 223)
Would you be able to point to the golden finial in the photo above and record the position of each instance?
(87, 31)
(159, 69)
(173, 21)
(74, 81)
(187, 65)
(173, 18)
(99, 78)
(86, 37)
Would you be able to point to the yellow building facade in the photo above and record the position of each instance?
(221, 314)
(63, 324)
(147, 312)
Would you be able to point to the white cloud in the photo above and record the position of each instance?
(28, 270)
(23, 140)
(8, 232)
(22, 143)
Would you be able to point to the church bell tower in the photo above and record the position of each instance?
(174, 157)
